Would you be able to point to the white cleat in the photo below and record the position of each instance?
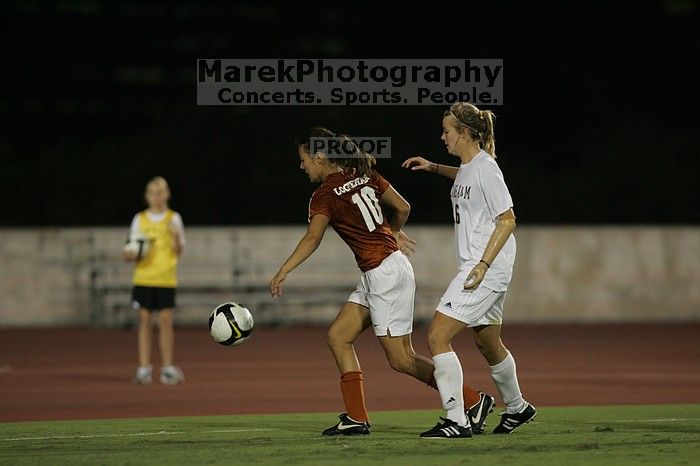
(144, 375)
(171, 375)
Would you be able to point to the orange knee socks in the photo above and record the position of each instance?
(471, 396)
(353, 391)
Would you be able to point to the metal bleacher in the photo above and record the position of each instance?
(229, 265)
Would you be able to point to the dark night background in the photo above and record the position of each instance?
(600, 122)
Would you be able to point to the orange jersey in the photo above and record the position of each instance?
(352, 206)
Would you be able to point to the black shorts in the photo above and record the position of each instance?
(153, 298)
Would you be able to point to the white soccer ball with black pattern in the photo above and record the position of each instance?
(230, 324)
(137, 246)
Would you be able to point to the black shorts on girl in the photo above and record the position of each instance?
(152, 298)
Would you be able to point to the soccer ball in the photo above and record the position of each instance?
(137, 245)
(230, 324)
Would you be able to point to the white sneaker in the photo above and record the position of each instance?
(171, 375)
(143, 375)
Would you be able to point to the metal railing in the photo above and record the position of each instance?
(207, 280)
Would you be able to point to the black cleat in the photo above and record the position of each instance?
(348, 426)
(477, 414)
(510, 421)
(448, 429)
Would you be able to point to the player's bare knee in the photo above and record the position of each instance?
(399, 362)
(331, 339)
(487, 353)
(436, 340)
(335, 338)
(489, 349)
(394, 362)
(144, 317)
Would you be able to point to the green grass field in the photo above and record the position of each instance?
(559, 436)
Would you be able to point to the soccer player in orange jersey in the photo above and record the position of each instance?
(352, 199)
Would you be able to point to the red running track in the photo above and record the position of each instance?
(83, 374)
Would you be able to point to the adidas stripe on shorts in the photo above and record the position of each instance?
(388, 291)
(481, 306)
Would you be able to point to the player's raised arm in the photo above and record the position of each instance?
(419, 163)
(401, 209)
(307, 245)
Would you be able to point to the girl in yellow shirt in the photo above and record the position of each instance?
(155, 281)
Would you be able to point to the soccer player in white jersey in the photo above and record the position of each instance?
(484, 222)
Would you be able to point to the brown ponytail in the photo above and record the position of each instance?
(358, 160)
(353, 158)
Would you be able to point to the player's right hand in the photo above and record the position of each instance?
(418, 163)
(475, 277)
(276, 284)
(129, 256)
(406, 244)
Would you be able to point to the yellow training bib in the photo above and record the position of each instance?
(159, 267)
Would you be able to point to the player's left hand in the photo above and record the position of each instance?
(476, 276)
(406, 244)
(276, 284)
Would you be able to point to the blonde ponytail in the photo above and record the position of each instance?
(479, 123)
(488, 140)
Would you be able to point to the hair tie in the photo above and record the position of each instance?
(464, 124)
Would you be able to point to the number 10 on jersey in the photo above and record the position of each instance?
(369, 206)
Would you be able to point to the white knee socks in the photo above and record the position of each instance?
(449, 379)
(506, 379)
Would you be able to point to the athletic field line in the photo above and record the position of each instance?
(131, 434)
(671, 419)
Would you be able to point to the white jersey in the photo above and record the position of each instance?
(479, 195)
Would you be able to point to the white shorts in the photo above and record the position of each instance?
(388, 291)
(481, 306)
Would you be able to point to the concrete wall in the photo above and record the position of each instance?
(74, 276)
